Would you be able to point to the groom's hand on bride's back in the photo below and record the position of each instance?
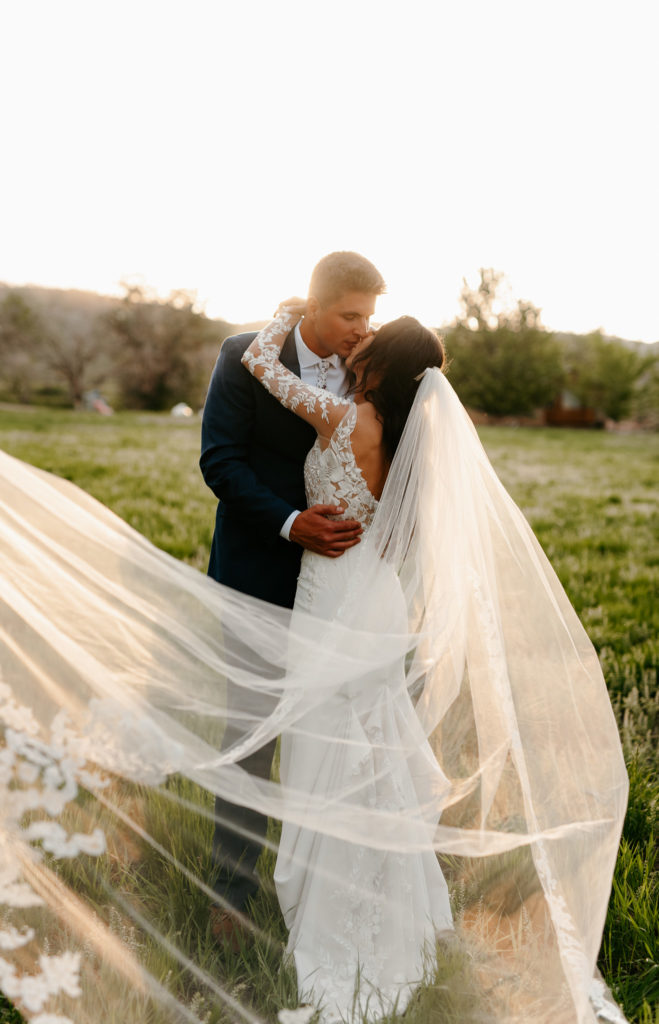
(316, 532)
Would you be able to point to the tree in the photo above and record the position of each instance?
(645, 405)
(22, 339)
(603, 373)
(501, 360)
(77, 350)
(159, 345)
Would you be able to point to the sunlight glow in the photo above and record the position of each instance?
(226, 148)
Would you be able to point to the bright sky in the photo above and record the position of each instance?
(224, 146)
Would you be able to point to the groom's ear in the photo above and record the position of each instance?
(313, 305)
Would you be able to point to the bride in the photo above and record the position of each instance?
(445, 728)
(348, 908)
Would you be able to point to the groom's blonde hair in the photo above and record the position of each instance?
(342, 272)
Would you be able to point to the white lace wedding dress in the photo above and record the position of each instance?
(442, 645)
(363, 921)
(358, 917)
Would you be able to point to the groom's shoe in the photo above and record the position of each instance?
(227, 929)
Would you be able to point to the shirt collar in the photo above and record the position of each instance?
(308, 358)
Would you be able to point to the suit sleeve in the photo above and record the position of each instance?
(225, 441)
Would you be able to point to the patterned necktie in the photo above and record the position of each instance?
(322, 369)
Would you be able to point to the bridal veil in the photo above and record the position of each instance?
(116, 660)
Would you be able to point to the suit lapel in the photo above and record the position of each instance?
(289, 354)
(292, 433)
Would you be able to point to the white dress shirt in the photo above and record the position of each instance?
(316, 371)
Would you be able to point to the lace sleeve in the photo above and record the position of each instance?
(319, 407)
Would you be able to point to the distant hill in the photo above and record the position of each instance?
(58, 344)
(640, 346)
(92, 303)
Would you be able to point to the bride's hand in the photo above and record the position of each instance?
(295, 306)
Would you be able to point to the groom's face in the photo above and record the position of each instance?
(342, 325)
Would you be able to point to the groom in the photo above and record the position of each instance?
(252, 458)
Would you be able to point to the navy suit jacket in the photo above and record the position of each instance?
(252, 458)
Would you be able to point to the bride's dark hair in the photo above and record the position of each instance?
(390, 367)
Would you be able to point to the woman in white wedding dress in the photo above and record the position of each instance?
(363, 922)
(436, 695)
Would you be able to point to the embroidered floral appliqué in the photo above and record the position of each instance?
(37, 776)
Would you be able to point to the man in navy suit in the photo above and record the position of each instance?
(252, 458)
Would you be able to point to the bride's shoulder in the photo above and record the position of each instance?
(367, 427)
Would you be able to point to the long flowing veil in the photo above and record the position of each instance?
(116, 665)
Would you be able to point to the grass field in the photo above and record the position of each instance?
(592, 500)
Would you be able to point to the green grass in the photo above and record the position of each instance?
(143, 466)
(630, 947)
(591, 499)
